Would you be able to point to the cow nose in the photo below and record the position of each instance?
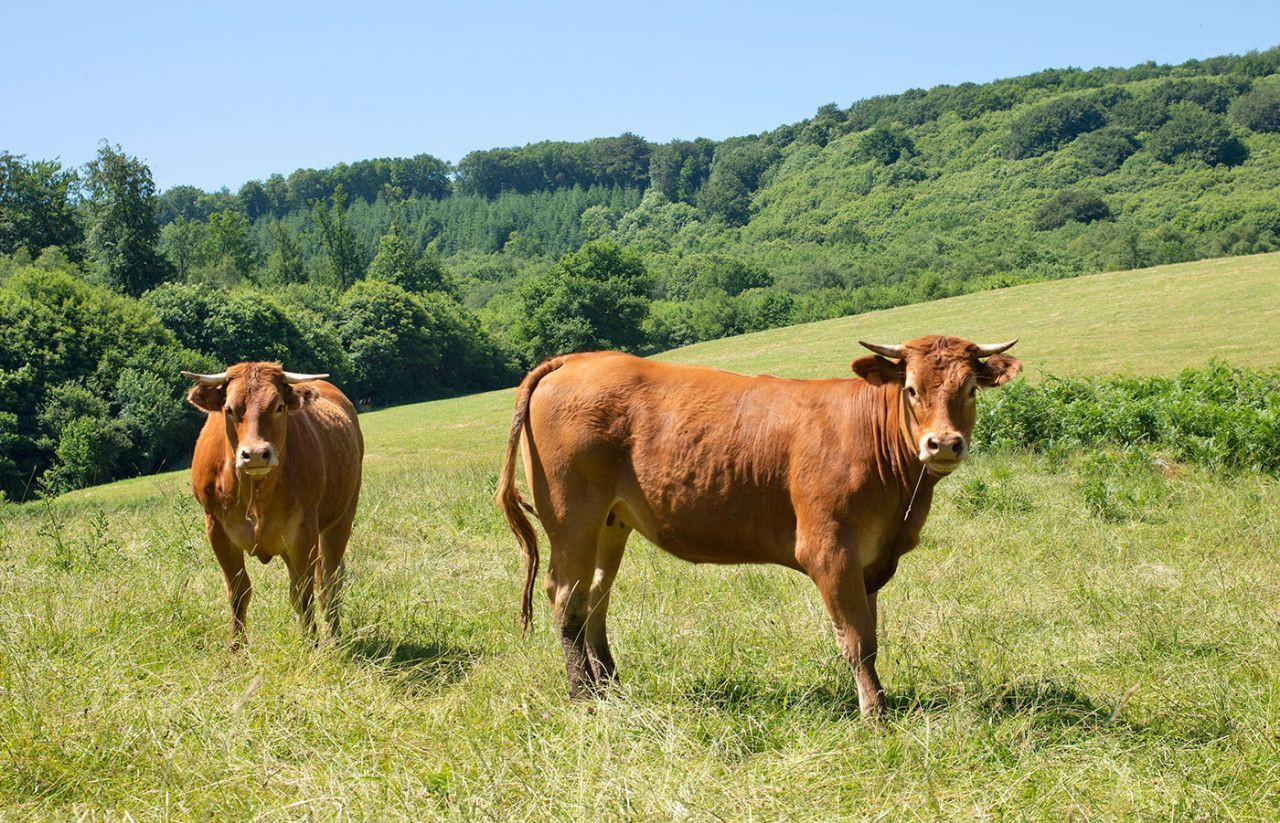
(259, 454)
(948, 446)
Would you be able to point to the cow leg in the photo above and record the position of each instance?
(852, 614)
(572, 569)
(611, 545)
(301, 562)
(239, 589)
(333, 547)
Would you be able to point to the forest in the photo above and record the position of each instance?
(413, 278)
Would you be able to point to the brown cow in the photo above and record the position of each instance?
(267, 495)
(715, 467)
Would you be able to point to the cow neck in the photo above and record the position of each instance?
(913, 477)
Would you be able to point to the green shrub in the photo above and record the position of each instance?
(64, 345)
(1070, 205)
(1213, 94)
(1050, 126)
(1218, 417)
(397, 262)
(595, 298)
(1193, 133)
(10, 440)
(161, 431)
(86, 454)
(1105, 150)
(231, 326)
(393, 342)
(1259, 109)
(697, 275)
(1140, 113)
(405, 347)
(885, 145)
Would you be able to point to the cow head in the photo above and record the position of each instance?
(254, 400)
(937, 379)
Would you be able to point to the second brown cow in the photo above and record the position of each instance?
(277, 469)
(833, 478)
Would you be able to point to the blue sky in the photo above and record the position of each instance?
(216, 93)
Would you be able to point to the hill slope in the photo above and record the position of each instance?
(891, 200)
(452, 279)
(1151, 321)
(1147, 321)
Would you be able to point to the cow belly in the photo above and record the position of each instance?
(712, 536)
(263, 539)
(708, 530)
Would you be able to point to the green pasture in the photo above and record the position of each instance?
(1077, 636)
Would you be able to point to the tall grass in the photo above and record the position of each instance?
(1045, 657)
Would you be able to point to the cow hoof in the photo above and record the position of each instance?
(875, 712)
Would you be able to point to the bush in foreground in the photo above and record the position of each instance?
(1218, 417)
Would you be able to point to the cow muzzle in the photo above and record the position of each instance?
(256, 460)
(942, 452)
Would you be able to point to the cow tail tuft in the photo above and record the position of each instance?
(508, 496)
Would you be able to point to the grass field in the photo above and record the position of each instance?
(1040, 660)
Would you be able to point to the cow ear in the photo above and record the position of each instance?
(997, 370)
(299, 396)
(207, 398)
(878, 370)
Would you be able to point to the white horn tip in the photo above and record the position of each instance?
(206, 379)
(883, 349)
(988, 349)
(294, 377)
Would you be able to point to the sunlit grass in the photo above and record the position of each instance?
(1009, 640)
(1045, 592)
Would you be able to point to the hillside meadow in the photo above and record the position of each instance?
(1042, 657)
(412, 278)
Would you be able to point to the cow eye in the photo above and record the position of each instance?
(229, 412)
(973, 391)
(911, 392)
(279, 408)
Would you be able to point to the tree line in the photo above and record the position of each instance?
(410, 278)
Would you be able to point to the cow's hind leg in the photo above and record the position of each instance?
(572, 567)
(329, 572)
(575, 540)
(610, 545)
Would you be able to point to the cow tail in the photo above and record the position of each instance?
(508, 496)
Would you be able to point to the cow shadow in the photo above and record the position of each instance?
(1044, 703)
(414, 666)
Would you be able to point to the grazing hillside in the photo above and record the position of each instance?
(1087, 632)
(1151, 322)
(410, 278)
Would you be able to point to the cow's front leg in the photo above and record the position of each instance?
(838, 575)
(301, 559)
(239, 590)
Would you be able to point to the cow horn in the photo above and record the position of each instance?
(888, 351)
(207, 379)
(294, 377)
(988, 349)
